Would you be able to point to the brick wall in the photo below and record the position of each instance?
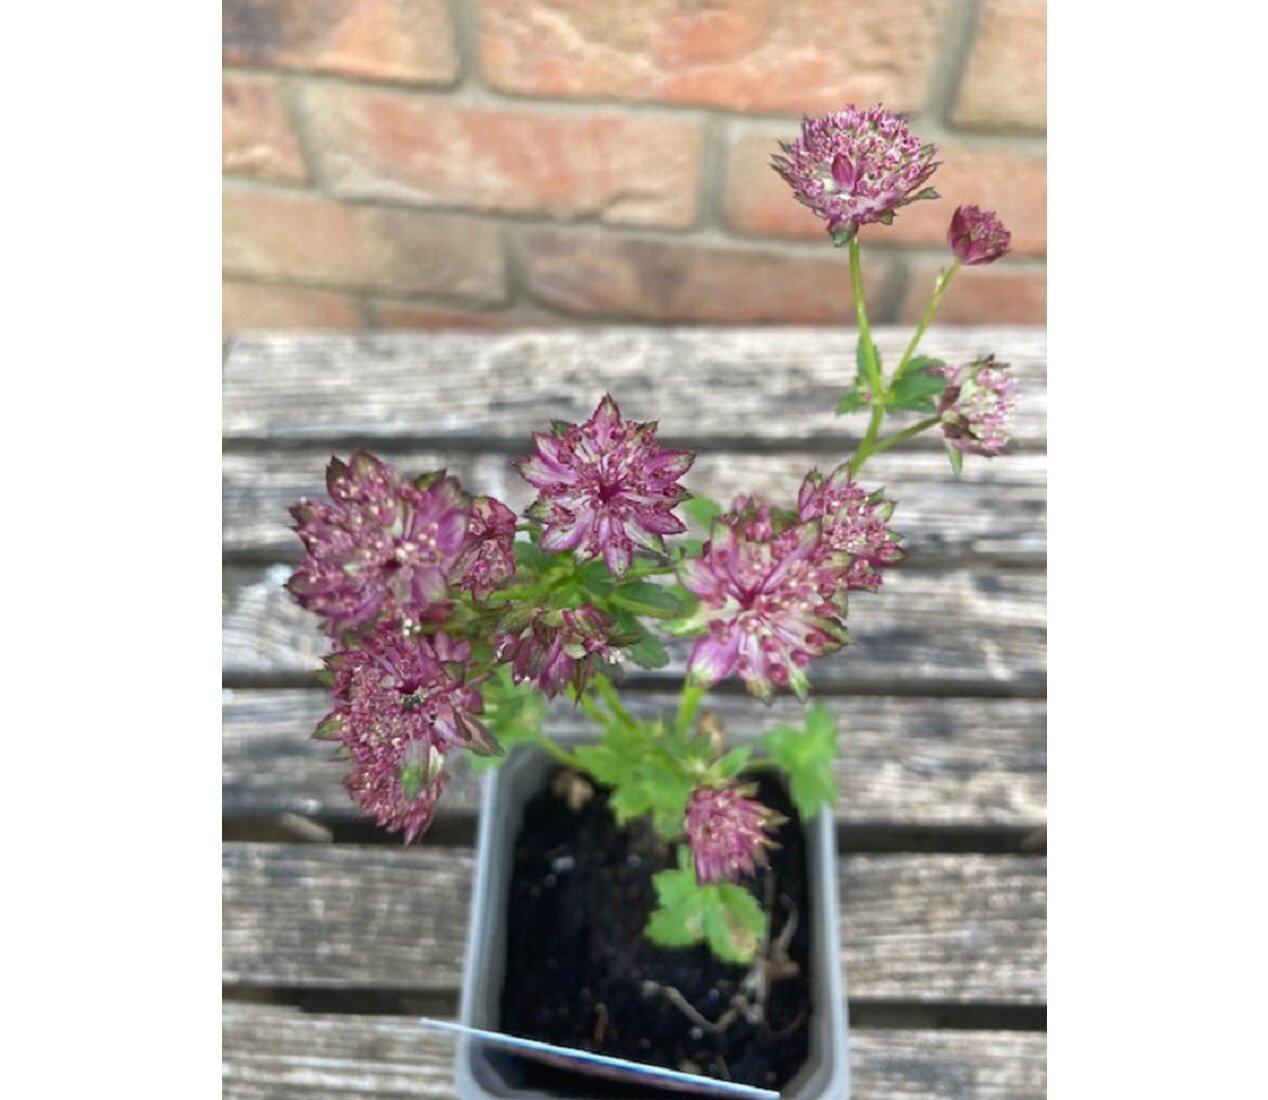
(493, 163)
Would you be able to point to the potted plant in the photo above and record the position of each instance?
(649, 890)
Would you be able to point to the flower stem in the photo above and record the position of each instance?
(870, 363)
(692, 693)
(866, 452)
(939, 289)
(613, 700)
(556, 752)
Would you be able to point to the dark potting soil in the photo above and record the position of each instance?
(581, 974)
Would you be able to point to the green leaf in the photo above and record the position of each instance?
(645, 776)
(852, 400)
(701, 511)
(915, 390)
(648, 652)
(860, 363)
(957, 460)
(644, 598)
(805, 755)
(724, 915)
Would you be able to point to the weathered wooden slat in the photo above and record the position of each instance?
(904, 761)
(932, 928)
(271, 1052)
(996, 509)
(962, 629)
(778, 384)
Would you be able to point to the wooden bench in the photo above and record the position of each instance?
(335, 935)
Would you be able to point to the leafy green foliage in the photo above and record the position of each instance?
(856, 397)
(648, 652)
(805, 755)
(725, 916)
(650, 768)
(644, 598)
(917, 388)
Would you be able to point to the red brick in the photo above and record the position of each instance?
(405, 40)
(743, 55)
(429, 318)
(301, 238)
(1004, 85)
(592, 274)
(999, 294)
(620, 169)
(257, 138)
(1012, 184)
(264, 307)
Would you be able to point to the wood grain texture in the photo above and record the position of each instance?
(958, 629)
(904, 761)
(933, 928)
(271, 1052)
(771, 385)
(995, 510)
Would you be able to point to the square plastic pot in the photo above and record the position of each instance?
(483, 1073)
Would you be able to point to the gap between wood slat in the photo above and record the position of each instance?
(865, 1013)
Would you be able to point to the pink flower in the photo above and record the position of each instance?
(854, 521)
(727, 833)
(977, 236)
(855, 167)
(380, 545)
(976, 405)
(488, 555)
(557, 648)
(772, 598)
(401, 703)
(605, 486)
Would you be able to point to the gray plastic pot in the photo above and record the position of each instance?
(483, 1073)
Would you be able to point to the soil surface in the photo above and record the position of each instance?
(581, 973)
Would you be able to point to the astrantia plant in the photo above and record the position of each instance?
(454, 621)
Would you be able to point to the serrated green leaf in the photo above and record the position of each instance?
(648, 652)
(805, 755)
(851, 401)
(860, 362)
(724, 915)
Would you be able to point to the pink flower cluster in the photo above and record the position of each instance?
(854, 521)
(977, 236)
(605, 486)
(976, 405)
(384, 545)
(557, 648)
(854, 167)
(773, 587)
(402, 701)
(727, 832)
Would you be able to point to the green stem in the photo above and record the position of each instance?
(891, 440)
(939, 289)
(692, 693)
(592, 708)
(869, 440)
(870, 363)
(563, 756)
(613, 700)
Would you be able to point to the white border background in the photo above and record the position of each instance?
(111, 436)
